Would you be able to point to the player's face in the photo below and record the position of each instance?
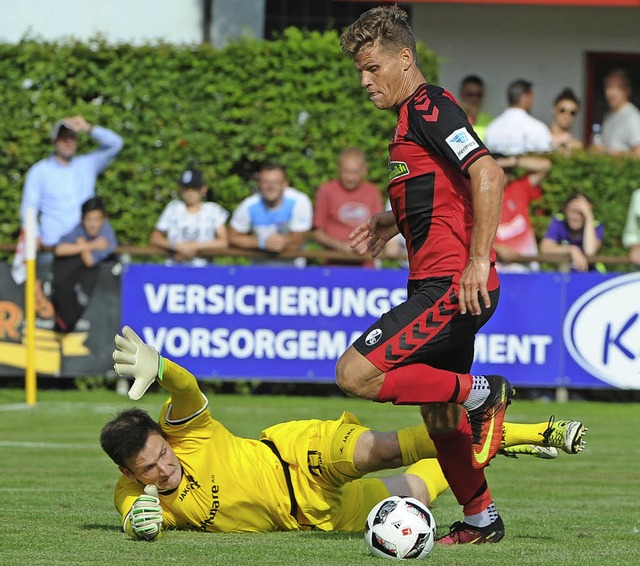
(155, 464)
(382, 75)
(271, 184)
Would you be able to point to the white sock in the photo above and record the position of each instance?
(484, 518)
(480, 390)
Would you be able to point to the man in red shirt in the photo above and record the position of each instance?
(343, 203)
(515, 237)
(445, 191)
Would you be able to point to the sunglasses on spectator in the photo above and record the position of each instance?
(571, 111)
(473, 94)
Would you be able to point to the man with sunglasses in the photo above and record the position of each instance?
(471, 96)
(515, 131)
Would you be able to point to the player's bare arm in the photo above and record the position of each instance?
(487, 182)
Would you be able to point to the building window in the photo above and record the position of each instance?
(317, 15)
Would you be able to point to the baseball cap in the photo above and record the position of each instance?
(191, 178)
(61, 128)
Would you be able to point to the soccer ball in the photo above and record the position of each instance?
(400, 528)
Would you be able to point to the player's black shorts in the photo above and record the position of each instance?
(427, 328)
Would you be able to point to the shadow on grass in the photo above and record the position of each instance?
(96, 527)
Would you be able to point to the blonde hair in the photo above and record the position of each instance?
(387, 26)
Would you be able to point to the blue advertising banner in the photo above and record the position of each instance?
(272, 323)
(290, 324)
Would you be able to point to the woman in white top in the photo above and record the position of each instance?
(191, 227)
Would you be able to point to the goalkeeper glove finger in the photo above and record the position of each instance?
(133, 358)
(145, 518)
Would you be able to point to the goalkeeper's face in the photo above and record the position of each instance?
(155, 464)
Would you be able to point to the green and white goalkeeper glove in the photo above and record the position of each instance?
(144, 521)
(133, 358)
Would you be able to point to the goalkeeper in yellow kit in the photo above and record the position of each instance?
(187, 471)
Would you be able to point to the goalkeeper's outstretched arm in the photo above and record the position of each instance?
(133, 358)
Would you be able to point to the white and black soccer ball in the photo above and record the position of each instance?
(400, 528)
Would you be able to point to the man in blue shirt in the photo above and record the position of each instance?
(57, 186)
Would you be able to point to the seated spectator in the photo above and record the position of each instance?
(576, 229)
(631, 234)
(190, 227)
(343, 203)
(621, 125)
(276, 219)
(56, 187)
(515, 131)
(471, 96)
(76, 257)
(565, 109)
(515, 236)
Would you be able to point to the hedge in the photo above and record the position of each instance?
(295, 100)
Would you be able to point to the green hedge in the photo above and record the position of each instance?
(295, 100)
(226, 111)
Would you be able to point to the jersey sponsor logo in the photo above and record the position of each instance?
(397, 169)
(461, 142)
(192, 484)
(373, 337)
(215, 505)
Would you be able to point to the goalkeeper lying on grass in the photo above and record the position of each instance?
(187, 471)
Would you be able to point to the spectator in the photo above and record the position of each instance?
(631, 234)
(276, 219)
(189, 228)
(74, 267)
(57, 186)
(621, 125)
(515, 236)
(565, 109)
(343, 203)
(471, 97)
(577, 229)
(515, 131)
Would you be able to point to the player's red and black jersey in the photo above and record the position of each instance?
(432, 149)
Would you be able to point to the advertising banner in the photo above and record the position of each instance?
(85, 351)
(290, 324)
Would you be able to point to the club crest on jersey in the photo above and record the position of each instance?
(397, 169)
(373, 337)
(461, 142)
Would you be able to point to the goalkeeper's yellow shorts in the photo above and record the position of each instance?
(327, 486)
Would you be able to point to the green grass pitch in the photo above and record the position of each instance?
(56, 490)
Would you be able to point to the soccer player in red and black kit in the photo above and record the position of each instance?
(445, 191)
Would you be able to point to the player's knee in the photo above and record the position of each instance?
(357, 377)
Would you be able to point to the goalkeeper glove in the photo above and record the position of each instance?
(134, 358)
(144, 521)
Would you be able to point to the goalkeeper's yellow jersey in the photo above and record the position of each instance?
(228, 483)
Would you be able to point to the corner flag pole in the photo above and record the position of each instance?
(30, 307)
